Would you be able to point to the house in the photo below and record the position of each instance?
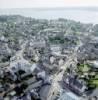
(44, 92)
(1, 73)
(34, 94)
(55, 49)
(26, 96)
(30, 81)
(12, 93)
(61, 62)
(34, 85)
(94, 93)
(3, 39)
(94, 64)
(25, 66)
(75, 85)
(23, 75)
(68, 96)
(37, 43)
(52, 59)
(41, 75)
(87, 51)
(47, 81)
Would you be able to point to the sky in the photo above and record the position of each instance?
(46, 3)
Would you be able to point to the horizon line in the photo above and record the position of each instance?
(53, 7)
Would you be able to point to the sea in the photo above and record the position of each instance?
(84, 15)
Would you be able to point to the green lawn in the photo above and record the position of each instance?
(94, 82)
(96, 76)
(83, 68)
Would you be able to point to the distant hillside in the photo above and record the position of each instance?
(82, 14)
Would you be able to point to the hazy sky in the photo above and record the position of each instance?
(46, 3)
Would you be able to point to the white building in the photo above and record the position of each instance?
(55, 49)
(23, 66)
(93, 63)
